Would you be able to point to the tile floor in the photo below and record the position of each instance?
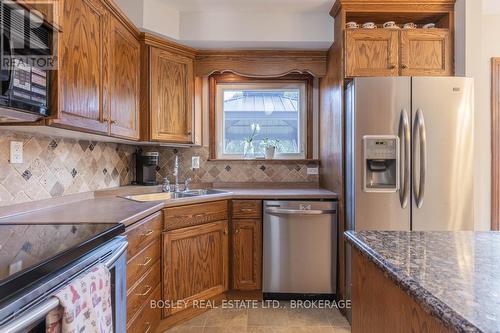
(266, 320)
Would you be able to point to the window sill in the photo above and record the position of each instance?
(263, 160)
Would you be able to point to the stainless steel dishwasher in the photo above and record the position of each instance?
(300, 249)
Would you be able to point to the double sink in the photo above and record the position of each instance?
(163, 196)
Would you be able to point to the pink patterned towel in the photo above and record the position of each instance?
(85, 305)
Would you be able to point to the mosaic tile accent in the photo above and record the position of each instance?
(224, 171)
(54, 167)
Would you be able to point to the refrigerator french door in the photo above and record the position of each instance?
(428, 122)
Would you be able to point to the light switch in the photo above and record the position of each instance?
(16, 152)
(195, 162)
(312, 171)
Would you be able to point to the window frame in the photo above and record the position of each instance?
(234, 79)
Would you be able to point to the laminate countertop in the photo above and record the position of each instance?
(454, 276)
(110, 206)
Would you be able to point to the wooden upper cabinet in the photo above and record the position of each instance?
(83, 66)
(172, 97)
(371, 52)
(426, 52)
(195, 263)
(124, 82)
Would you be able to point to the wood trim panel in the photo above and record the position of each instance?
(378, 305)
(261, 63)
(235, 78)
(392, 6)
(190, 215)
(495, 144)
(167, 45)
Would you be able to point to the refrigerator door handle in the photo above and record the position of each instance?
(420, 131)
(404, 137)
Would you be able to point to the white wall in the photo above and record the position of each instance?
(264, 29)
(159, 18)
(477, 43)
(247, 29)
(134, 10)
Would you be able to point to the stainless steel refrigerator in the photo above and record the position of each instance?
(409, 153)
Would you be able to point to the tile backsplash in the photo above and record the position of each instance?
(260, 171)
(54, 167)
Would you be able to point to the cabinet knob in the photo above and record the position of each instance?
(114, 122)
(237, 231)
(404, 66)
(392, 66)
(189, 132)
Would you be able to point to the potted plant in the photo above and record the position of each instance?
(249, 149)
(270, 148)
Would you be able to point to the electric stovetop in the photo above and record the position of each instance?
(31, 252)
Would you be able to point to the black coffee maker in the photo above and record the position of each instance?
(145, 166)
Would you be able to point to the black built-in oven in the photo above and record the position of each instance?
(26, 62)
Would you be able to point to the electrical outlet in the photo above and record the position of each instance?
(16, 152)
(312, 171)
(15, 267)
(195, 162)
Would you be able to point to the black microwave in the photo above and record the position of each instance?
(25, 64)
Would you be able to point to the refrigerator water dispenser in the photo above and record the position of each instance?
(381, 163)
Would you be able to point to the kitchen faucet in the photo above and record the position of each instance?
(166, 187)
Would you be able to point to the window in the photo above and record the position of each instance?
(251, 114)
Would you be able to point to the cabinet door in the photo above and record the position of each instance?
(246, 254)
(124, 82)
(371, 52)
(426, 52)
(172, 99)
(195, 263)
(83, 66)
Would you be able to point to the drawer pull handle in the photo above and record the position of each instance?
(147, 233)
(148, 327)
(148, 289)
(247, 210)
(146, 262)
(198, 215)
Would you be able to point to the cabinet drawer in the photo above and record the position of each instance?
(143, 290)
(247, 208)
(147, 318)
(139, 265)
(185, 216)
(142, 233)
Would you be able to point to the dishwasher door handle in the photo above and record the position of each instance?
(285, 211)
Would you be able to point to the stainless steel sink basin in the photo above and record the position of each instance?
(164, 196)
(205, 192)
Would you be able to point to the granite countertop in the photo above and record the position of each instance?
(109, 206)
(453, 275)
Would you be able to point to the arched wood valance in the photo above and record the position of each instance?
(261, 64)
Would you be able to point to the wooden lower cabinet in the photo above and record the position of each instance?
(195, 264)
(246, 254)
(378, 305)
(144, 273)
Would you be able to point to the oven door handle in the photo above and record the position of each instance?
(41, 310)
